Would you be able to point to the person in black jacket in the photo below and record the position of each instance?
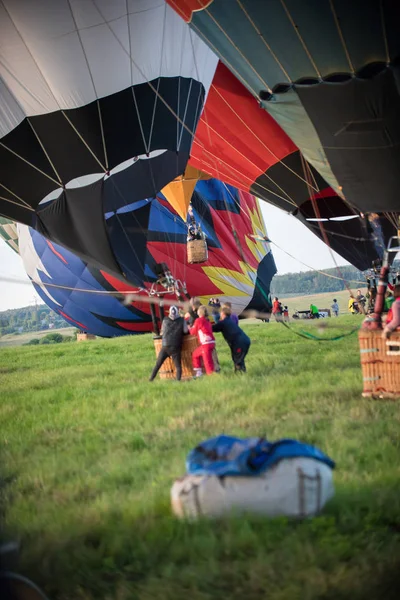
(235, 337)
(173, 329)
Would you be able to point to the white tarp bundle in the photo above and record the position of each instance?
(294, 487)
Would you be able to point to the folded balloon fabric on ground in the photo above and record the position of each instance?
(228, 475)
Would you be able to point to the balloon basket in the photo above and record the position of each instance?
(197, 251)
(380, 364)
(167, 370)
(83, 337)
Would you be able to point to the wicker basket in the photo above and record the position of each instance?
(167, 371)
(197, 251)
(380, 364)
(83, 337)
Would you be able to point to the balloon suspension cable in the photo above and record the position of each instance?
(269, 241)
(142, 295)
(308, 175)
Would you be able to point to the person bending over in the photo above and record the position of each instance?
(173, 329)
(235, 337)
(234, 317)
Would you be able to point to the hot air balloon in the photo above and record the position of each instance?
(327, 73)
(98, 105)
(143, 236)
(9, 233)
(101, 106)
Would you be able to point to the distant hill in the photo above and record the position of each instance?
(30, 318)
(313, 282)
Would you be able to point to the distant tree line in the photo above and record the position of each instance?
(313, 282)
(30, 318)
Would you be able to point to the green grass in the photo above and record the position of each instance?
(90, 450)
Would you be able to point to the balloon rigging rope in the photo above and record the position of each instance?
(31, 165)
(256, 136)
(310, 336)
(296, 29)
(343, 42)
(103, 140)
(336, 233)
(237, 49)
(135, 295)
(254, 165)
(27, 207)
(384, 33)
(216, 160)
(25, 204)
(158, 95)
(268, 240)
(273, 54)
(261, 37)
(323, 228)
(308, 173)
(44, 150)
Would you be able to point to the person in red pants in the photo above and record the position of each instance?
(203, 329)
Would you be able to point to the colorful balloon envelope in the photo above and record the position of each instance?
(326, 72)
(144, 235)
(104, 104)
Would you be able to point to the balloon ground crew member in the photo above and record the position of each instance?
(203, 329)
(191, 315)
(277, 309)
(235, 337)
(173, 329)
(234, 317)
(393, 318)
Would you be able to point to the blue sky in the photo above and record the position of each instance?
(288, 233)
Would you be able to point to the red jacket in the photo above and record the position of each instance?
(203, 329)
(276, 307)
(393, 317)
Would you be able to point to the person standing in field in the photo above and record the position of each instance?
(203, 329)
(371, 297)
(173, 329)
(215, 306)
(235, 337)
(361, 300)
(314, 312)
(353, 306)
(335, 308)
(277, 309)
(191, 315)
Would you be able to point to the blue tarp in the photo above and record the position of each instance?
(225, 455)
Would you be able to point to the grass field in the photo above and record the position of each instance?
(90, 450)
(19, 340)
